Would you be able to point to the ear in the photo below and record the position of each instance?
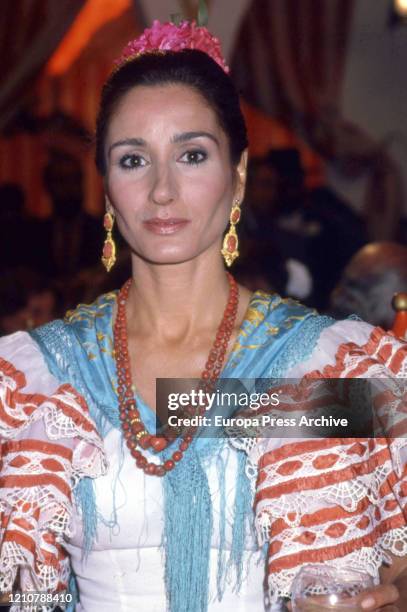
(108, 205)
(241, 174)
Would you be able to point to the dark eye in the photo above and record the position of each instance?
(194, 157)
(132, 160)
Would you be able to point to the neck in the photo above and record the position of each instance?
(177, 300)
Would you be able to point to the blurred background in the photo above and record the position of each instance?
(324, 93)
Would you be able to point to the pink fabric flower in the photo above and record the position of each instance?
(171, 37)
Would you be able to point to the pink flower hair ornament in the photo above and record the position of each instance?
(163, 37)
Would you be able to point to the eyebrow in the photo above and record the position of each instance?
(183, 137)
(134, 142)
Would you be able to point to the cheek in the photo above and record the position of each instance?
(211, 196)
(124, 195)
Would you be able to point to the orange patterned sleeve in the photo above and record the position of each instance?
(339, 500)
(47, 443)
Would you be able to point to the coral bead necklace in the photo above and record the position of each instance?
(133, 427)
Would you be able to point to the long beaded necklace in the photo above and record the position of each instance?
(133, 427)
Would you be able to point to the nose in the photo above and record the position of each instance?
(163, 189)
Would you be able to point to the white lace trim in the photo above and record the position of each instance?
(366, 559)
(53, 446)
(286, 494)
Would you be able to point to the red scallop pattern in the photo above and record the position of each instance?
(357, 449)
(325, 461)
(52, 464)
(19, 461)
(363, 523)
(336, 530)
(308, 537)
(289, 467)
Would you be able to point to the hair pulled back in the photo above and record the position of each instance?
(189, 67)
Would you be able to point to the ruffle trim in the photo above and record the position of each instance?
(318, 500)
(353, 360)
(48, 444)
(366, 559)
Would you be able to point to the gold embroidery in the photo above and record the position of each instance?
(272, 329)
(289, 321)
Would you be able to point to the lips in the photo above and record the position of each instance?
(165, 226)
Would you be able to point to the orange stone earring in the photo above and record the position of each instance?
(230, 245)
(109, 247)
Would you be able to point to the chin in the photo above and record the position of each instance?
(162, 257)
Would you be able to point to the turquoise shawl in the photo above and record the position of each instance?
(275, 335)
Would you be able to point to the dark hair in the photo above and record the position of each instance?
(188, 67)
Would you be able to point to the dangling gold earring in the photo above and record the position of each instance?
(230, 245)
(109, 247)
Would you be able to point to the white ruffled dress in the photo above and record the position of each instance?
(319, 500)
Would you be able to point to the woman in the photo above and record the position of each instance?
(154, 527)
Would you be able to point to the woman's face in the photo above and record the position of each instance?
(169, 175)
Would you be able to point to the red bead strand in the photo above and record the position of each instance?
(133, 427)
